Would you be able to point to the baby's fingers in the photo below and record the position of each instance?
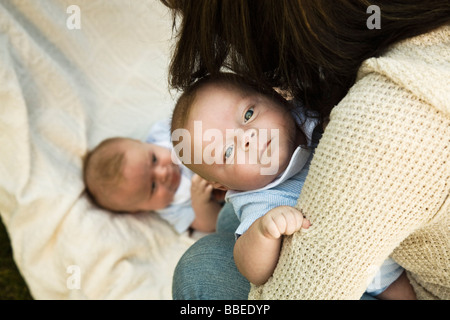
(283, 220)
(196, 178)
(201, 184)
(305, 223)
(291, 219)
(295, 221)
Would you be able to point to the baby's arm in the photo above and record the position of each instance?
(256, 251)
(205, 207)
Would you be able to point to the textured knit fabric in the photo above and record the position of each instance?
(379, 182)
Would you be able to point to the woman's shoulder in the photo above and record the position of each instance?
(436, 36)
(421, 65)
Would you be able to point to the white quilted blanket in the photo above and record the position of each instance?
(71, 76)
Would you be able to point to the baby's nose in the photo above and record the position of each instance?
(249, 139)
(161, 172)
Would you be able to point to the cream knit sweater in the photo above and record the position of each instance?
(379, 183)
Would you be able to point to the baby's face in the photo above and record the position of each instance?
(150, 178)
(245, 141)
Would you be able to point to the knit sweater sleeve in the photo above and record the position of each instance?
(380, 174)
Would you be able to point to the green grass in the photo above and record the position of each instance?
(12, 285)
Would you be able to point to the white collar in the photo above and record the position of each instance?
(298, 160)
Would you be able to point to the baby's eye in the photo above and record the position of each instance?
(154, 158)
(153, 186)
(228, 152)
(248, 114)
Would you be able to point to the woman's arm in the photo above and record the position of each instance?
(378, 174)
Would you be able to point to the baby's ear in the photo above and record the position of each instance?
(219, 186)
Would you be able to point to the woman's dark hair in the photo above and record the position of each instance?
(312, 48)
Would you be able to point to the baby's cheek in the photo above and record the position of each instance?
(168, 197)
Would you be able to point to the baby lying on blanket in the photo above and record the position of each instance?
(127, 175)
(258, 147)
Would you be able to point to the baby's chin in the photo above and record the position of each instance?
(254, 183)
(266, 175)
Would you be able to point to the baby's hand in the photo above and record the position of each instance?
(200, 189)
(282, 220)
